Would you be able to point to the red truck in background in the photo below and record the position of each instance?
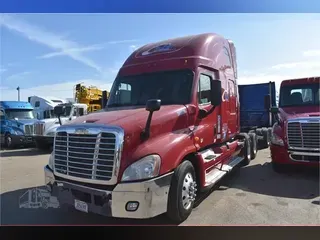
(170, 129)
(296, 133)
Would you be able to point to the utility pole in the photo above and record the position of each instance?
(18, 89)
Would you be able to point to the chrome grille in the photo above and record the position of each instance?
(39, 128)
(28, 129)
(304, 134)
(85, 156)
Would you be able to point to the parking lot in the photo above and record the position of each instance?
(250, 195)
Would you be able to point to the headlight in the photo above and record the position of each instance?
(51, 159)
(51, 134)
(146, 167)
(276, 139)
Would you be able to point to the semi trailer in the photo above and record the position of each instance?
(170, 129)
(255, 110)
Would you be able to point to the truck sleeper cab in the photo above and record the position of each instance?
(170, 129)
(296, 133)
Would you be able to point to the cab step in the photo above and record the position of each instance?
(219, 171)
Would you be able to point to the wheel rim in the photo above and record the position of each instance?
(188, 191)
(9, 141)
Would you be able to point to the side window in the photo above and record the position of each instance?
(204, 89)
(81, 111)
(37, 104)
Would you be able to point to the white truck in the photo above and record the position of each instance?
(44, 129)
(43, 106)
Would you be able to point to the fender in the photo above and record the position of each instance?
(9, 129)
(172, 148)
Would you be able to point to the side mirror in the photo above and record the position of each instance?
(59, 110)
(216, 92)
(267, 99)
(274, 110)
(153, 105)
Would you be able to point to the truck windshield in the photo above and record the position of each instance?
(172, 87)
(19, 114)
(67, 111)
(299, 95)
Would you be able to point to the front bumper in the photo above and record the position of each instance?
(47, 139)
(282, 155)
(151, 195)
(22, 139)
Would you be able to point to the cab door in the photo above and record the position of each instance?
(206, 125)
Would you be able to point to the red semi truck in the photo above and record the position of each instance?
(296, 133)
(170, 129)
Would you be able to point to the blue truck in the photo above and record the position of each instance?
(17, 121)
(255, 113)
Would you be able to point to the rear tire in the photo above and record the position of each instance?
(259, 131)
(270, 134)
(182, 192)
(246, 150)
(266, 138)
(253, 145)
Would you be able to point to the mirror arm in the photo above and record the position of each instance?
(59, 120)
(145, 134)
(204, 113)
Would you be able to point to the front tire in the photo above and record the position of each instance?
(182, 192)
(8, 141)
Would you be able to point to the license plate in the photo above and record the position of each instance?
(81, 206)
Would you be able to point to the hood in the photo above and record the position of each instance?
(21, 122)
(133, 119)
(51, 124)
(300, 112)
(26, 121)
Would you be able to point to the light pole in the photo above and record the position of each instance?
(18, 89)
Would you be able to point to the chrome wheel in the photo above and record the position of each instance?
(188, 191)
(8, 141)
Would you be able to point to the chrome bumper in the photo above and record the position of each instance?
(301, 156)
(151, 195)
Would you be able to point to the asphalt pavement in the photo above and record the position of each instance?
(251, 195)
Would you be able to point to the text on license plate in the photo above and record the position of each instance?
(81, 206)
